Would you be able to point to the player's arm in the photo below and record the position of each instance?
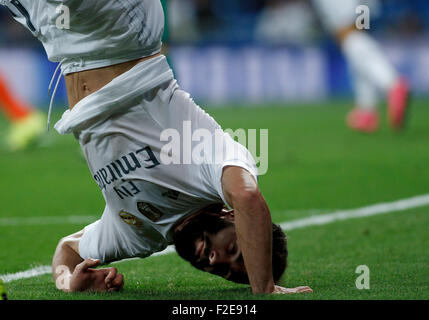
(72, 273)
(254, 230)
(253, 226)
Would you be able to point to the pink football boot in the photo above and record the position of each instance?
(398, 104)
(363, 120)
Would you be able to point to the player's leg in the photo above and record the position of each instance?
(364, 117)
(364, 56)
(27, 124)
(367, 59)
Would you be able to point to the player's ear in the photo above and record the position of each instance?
(227, 215)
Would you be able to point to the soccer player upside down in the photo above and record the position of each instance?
(122, 95)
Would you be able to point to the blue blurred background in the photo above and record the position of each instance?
(236, 51)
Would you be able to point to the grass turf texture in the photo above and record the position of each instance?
(314, 162)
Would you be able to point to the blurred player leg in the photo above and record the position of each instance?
(26, 124)
(364, 57)
(364, 117)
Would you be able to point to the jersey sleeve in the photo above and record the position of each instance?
(106, 241)
(89, 242)
(228, 153)
(99, 241)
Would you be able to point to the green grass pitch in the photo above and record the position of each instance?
(316, 165)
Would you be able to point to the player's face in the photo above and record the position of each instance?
(219, 254)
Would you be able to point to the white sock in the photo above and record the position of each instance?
(368, 61)
(366, 94)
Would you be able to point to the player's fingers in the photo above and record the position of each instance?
(304, 289)
(88, 263)
(110, 276)
(290, 291)
(118, 281)
(282, 290)
(117, 284)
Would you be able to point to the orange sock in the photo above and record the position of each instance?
(13, 107)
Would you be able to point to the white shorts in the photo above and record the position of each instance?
(145, 195)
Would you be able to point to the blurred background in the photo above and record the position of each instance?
(248, 51)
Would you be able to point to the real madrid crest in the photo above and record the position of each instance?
(130, 219)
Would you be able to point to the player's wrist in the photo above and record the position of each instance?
(264, 288)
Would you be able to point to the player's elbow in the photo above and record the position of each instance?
(64, 244)
(67, 252)
(249, 197)
(70, 242)
(61, 252)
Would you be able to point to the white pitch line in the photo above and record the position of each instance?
(33, 221)
(35, 272)
(381, 208)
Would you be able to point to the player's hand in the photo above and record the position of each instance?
(281, 290)
(84, 278)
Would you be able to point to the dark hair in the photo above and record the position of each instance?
(185, 238)
(280, 252)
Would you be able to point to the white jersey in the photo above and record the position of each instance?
(119, 128)
(98, 33)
